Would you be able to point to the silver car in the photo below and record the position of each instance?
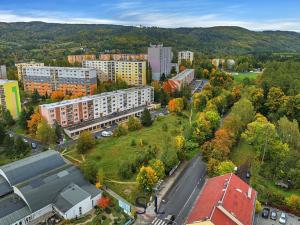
(282, 218)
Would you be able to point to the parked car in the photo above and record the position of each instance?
(106, 133)
(25, 140)
(273, 215)
(282, 218)
(170, 219)
(265, 213)
(33, 145)
(248, 175)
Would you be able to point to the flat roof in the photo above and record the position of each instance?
(92, 97)
(7, 81)
(60, 68)
(121, 60)
(183, 74)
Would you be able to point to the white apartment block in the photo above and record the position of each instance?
(3, 74)
(97, 111)
(185, 55)
(133, 72)
(21, 65)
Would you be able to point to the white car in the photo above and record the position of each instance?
(282, 218)
(25, 140)
(106, 133)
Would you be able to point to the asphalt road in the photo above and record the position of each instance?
(181, 197)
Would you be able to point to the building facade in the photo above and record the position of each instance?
(95, 112)
(185, 55)
(3, 74)
(74, 80)
(80, 58)
(10, 97)
(122, 57)
(175, 83)
(21, 65)
(34, 188)
(159, 58)
(132, 72)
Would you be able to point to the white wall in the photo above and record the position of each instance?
(86, 206)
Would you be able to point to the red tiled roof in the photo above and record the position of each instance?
(236, 200)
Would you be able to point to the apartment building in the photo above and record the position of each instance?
(3, 74)
(132, 72)
(185, 55)
(21, 65)
(80, 58)
(122, 57)
(10, 97)
(159, 58)
(94, 112)
(175, 83)
(73, 80)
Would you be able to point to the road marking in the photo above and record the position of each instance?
(187, 200)
(158, 221)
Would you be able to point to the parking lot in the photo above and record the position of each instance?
(291, 219)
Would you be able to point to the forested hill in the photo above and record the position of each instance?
(39, 40)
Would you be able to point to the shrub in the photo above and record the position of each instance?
(125, 170)
(133, 143)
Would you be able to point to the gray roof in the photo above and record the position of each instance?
(70, 197)
(42, 179)
(32, 166)
(12, 209)
(44, 190)
(5, 188)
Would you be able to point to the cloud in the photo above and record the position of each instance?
(142, 16)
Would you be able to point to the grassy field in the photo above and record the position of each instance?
(241, 76)
(110, 153)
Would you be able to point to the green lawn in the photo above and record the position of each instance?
(110, 153)
(241, 76)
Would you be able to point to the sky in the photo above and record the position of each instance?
(250, 14)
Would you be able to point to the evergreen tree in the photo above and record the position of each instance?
(35, 96)
(146, 118)
(22, 121)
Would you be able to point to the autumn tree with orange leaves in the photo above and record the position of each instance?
(103, 202)
(32, 124)
(176, 105)
(57, 96)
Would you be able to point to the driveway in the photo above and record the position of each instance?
(291, 219)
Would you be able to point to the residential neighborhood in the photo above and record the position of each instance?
(168, 122)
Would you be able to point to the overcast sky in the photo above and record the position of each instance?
(251, 14)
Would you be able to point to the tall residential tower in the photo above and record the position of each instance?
(159, 58)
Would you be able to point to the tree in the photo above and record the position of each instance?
(147, 178)
(120, 130)
(275, 99)
(2, 133)
(225, 167)
(33, 122)
(146, 118)
(169, 158)
(45, 133)
(214, 118)
(158, 167)
(22, 120)
(289, 132)
(20, 147)
(221, 79)
(212, 167)
(57, 96)
(294, 202)
(58, 131)
(103, 202)
(176, 105)
(179, 142)
(35, 96)
(85, 142)
(7, 118)
(89, 170)
(133, 123)
(256, 96)
(258, 207)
